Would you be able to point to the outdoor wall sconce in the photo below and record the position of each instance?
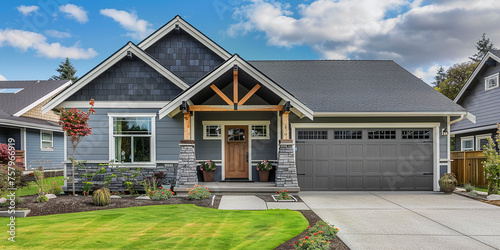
(444, 132)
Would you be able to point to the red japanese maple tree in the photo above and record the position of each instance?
(74, 124)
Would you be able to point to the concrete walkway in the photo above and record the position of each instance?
(251, 202)
(408, 220)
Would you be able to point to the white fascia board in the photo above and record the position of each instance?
(463, 131)
(471, 117)
(366, 125)
(115, 104)
(116, 57)
(190, 30)
(247, 68)
(47, 96)
(386, 114)
(474, 74)
(29, 125)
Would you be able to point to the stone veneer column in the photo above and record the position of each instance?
(286, 172)
(186, 172)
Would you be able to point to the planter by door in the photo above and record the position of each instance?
(208, 176)
(264, 175)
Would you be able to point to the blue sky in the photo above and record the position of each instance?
(35, 36)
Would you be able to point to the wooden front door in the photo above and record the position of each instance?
(236, 163)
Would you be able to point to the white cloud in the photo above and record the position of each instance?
(25, 40)
(139, 28)
(57, 34)
(418, 36)
(2, 78)
(427, 75)
(76, 12)
(27, 10)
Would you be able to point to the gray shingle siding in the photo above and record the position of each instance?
(94, 147)
(35, 157)
(481, 103)
(184, 56)
(128, 80)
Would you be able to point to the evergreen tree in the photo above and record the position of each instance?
(483, 46)
(456, 76)
(66, 72)
(440, 76)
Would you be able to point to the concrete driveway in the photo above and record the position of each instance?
(408, 220)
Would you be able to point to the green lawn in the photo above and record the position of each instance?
(33, 188)
(156, 227)
(483, 189)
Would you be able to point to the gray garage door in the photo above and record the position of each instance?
(364, 159)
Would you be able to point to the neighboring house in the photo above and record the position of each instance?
(21, 119)
(177, 98)
(479, 96)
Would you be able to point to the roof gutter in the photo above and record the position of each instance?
(29, 125)
(387, 114)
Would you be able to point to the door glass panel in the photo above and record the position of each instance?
(236, 135)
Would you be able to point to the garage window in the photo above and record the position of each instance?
(313, 135)
(381, 134)
(348, 134)
(416, 134)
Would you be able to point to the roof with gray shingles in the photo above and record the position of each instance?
(355, 86)
(495, 52)
(32, 91)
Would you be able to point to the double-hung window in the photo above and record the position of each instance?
(467, 143)
(46, 141)
(132, 138)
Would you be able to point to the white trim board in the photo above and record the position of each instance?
(434, 125)
(228, 65)
(115, 104)
(12, 123)
(108, 63)
(170, 26)
(463, 131)
(386, 114)
(47, 96)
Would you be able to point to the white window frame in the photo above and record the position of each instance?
(486, 79)
(112, 138)
(207, 137)
(467, 138)
(42, 141)
(259, 137)
(478, 139)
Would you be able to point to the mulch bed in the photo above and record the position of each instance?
(479, 197)
(71, 204)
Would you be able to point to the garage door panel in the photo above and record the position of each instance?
(320, 167)
(337, 166)
(371, 166)
(321, 151)
(320, 183)
(355, 166)
(338, 182)
(338, 151)
(383, 162)
(355, 150)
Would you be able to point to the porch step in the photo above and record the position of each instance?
(239, 188)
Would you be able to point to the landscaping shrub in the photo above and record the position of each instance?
(316, 242)
(41, 199)
(198, 192)
(468, 187)
(54, 189)
(160, 195)
(283, 195)
(101, 197)
(328, 231)
(318, 236)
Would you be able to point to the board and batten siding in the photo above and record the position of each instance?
(95, 147)
(481, 103)
(443, 140)
(35, 157)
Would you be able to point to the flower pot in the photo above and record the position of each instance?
(448, 183)
(208, 176)
(264, 175)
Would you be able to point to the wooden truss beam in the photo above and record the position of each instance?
(249, 94)
(233, 108)
(222, 95)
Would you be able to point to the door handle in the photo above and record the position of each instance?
(247, 157)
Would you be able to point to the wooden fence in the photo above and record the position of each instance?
(468, 167)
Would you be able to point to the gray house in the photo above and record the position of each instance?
(177, 98)
(478, 96)
(37, 137)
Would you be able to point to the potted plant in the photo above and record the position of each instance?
(448, 183)
(207, 168)
(264, 167)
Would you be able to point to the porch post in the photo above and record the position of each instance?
(186, 172)
(286, 172)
